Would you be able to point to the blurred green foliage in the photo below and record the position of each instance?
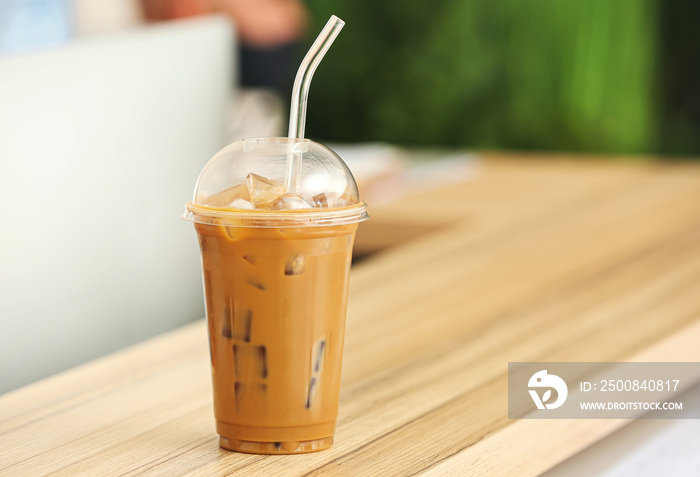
(678, 70)
(508, 74)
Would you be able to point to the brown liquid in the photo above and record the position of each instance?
(276, 302)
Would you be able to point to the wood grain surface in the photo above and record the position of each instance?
(538, 259)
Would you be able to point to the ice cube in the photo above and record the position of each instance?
(262, 357)
(256, 283)
(317, 355)
(238, 393)
(242, 324)
(226, 197)
(310, 392)
(338, 200)
(232, 232)
(295, 265)
(250, 361)
(226, 320)
(235, 358)
(262, 189)
(242, 204)
(320, 200)
(288, 202)
(330, 200)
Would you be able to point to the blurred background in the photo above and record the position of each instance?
(604, 77)
(109, 108)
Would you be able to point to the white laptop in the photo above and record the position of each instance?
(101, 142)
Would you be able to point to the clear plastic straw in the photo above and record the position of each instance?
(300, 95)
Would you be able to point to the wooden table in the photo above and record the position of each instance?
(538, 259)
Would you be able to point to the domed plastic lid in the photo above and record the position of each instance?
(246, 185)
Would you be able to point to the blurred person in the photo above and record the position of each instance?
(269, 32)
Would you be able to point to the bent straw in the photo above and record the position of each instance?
(300, 95)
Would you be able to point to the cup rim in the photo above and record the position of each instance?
(259, 218)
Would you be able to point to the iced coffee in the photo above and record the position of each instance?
(275, 266)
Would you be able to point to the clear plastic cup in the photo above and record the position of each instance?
(275, 269)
